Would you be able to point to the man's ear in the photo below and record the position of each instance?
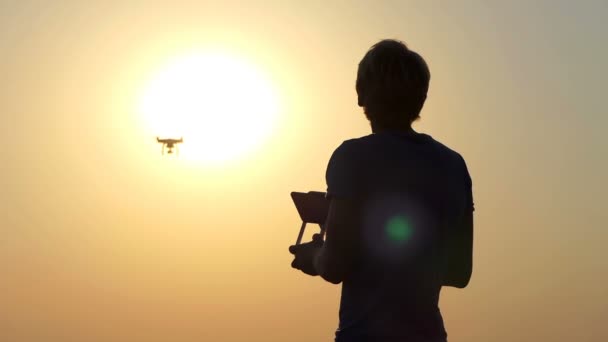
(421, 104)
(423, 101)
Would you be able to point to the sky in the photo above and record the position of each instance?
(104, 239)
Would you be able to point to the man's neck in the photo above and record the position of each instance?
(404, 129)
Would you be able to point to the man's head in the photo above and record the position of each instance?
(392, 83)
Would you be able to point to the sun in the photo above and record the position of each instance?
(222, 106)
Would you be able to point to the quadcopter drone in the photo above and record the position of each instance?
(170, 144)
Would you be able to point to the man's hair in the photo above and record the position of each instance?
(392, 83)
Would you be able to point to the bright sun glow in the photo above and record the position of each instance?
(222, 106)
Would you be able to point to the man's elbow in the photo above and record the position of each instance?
(331, 272)
(329, 269)
(460, 281)
(333, 278)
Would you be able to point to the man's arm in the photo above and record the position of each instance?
(458, 262)
(335, 259)
(458, 243)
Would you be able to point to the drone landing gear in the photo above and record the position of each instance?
(170, 150)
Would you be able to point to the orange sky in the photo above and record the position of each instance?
(103, 239)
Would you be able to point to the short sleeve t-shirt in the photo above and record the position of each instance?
(414, 188)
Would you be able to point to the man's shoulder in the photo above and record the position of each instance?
(444, 149)
(371, 143)
(352, 146)
(454, 161)
(359, 141)
(357, 145)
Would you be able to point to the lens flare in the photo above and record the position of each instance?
(398, 229)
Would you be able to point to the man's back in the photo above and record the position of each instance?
(412, 191)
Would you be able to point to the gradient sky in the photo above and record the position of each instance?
(103, 239)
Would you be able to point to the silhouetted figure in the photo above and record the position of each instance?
(400, 223)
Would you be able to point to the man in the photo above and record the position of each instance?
(400, 223)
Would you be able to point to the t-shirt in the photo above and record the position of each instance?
(413, 189)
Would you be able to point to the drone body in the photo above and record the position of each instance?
(169, 144)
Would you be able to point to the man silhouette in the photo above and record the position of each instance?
(400, 223)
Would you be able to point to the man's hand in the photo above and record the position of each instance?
(305, 254)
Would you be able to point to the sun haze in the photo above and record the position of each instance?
(103, 238)
(223, 106)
